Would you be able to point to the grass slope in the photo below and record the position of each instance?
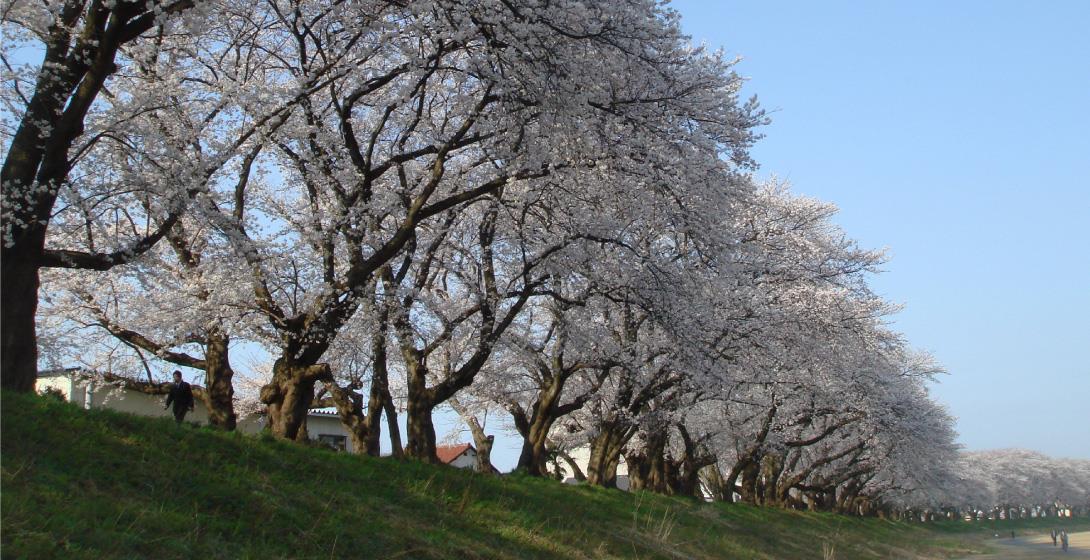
(101, 484)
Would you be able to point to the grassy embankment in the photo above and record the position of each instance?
(100, 484)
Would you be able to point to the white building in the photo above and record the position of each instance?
(81, 388)
(325, 426)
(461, 456)
(85, 390)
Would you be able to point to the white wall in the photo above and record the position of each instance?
(467, 460)
(329, 425)
(86, 393)
(58, 383)
(135, 402)
(76, 390)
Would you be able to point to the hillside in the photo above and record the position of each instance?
(100, 484)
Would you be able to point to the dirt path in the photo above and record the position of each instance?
(1037, 546)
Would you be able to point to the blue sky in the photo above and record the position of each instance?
(957, 135)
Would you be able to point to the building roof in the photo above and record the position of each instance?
(448, 453)
(123, 381)
(62, 372)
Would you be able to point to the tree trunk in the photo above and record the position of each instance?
(749, 489)
(29, 193)
(730, 482)
(218, 375)
(546, 410)
(19, 284)
(484, 454)
(658, 467)
(685, 474)
(688, 479)
(771, 467)
(605, 454)
(371, 444)
(482, 441)
(422, 401)
(421, 441)
(289, 394)
(349, 406)
(535, 456)
(396, 449)
(598, 464)
(380, 400)
(716, 483)
(78, 57)
(639, 466)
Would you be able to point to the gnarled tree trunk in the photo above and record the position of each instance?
(535, 430)
(482, 441)
(218, 375)
(364, 426)
(418, 412)
(349, 405)
(605, 453)
(716, 484)
(685, 474)
(648, 468)
(289, 394)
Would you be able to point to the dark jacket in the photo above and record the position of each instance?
(181, 395)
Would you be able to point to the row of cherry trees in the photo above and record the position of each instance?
(539, 208)
(1017, 483)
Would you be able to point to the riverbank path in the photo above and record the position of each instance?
(1035, 547)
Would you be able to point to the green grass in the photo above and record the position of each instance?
(100, 484)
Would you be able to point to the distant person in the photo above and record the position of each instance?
(1063, 539)
(1054, 534)
(1012, 534)
(181, 395)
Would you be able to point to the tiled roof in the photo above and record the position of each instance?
(61, 372)
(448, 453)
(124, 381)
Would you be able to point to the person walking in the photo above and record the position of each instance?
(181, 396)
(1053, 533)
(1063, 539)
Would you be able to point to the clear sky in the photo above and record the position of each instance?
(957, 135)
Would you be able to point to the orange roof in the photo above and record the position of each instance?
(448, 453)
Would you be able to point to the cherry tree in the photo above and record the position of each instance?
(183, 123)
(438, 111)
(359, 360)
(1011, 483)
(147, 101)
(548, 364)
(82, 45)
(171, 305)
(753, 314)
